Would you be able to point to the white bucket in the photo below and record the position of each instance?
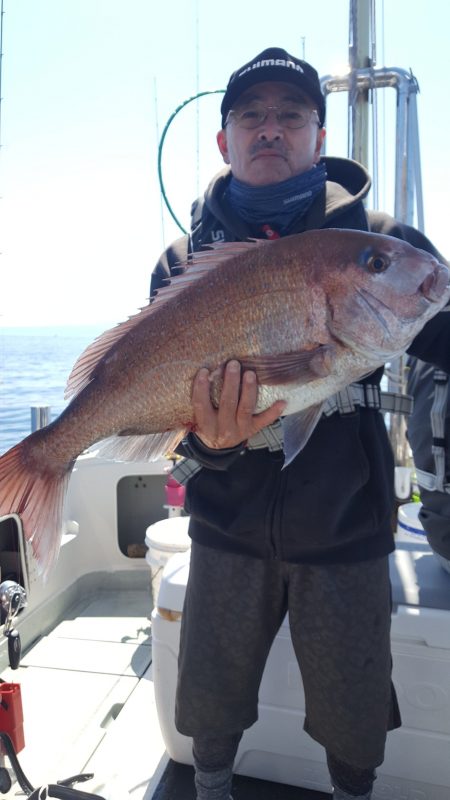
(409, 525)
(163, 539)
(402, 483)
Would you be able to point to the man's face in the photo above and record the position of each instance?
(270, 153)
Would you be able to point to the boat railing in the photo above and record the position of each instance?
(408, 182)
(40, 417)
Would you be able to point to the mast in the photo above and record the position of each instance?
(362, 82)
(359, 57)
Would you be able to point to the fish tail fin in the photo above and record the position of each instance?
(34, 488)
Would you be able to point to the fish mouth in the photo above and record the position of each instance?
(430, 291)
(435, 284)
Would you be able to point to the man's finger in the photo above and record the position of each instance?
(201, 400)
(249, 395)
(229, 397)
(269, 415)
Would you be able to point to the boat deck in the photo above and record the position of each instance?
(88, 700)
(89, 706)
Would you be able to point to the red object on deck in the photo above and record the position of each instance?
(11, 715)
(175, 493)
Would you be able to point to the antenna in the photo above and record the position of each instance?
(1, 65)
(197, 91)
(161, 201)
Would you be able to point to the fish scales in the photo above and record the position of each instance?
(309, 314)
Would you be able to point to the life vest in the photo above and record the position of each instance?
(428, 426)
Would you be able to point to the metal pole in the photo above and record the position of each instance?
(40, 417)
(415, 151)
(359, 58)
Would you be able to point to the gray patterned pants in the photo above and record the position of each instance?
(339, 617)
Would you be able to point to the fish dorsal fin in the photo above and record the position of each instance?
(201, 263)
(193, 270)
(85, 365)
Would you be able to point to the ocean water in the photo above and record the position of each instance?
(34, 366)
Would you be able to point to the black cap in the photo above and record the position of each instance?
(274, 64)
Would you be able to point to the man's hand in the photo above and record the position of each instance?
(235, 420)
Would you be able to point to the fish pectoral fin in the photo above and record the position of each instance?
(297, 429)
(148, 447)
(300, 367)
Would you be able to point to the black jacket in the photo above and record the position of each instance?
(334, 502)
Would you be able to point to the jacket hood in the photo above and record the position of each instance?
(348, 182)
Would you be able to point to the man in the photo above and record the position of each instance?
(429, 437)
(313, 538)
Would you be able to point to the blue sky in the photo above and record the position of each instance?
(87, 88)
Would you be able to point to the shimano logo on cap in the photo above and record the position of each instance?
(272, 62)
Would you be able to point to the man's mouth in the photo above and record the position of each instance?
(267, 151)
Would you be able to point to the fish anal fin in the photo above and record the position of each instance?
(145, 447)
(299, 367)
(297, 429)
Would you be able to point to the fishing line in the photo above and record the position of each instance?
(161, 146)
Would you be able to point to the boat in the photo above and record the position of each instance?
(88, 657)
(85, 635)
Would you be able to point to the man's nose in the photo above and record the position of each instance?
(270, 133)
(270, 130)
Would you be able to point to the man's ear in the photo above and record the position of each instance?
(321, 133)
(223, 146)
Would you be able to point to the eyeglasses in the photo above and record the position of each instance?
(289, 115)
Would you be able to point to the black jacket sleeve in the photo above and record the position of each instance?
(170, 263)
(383, 223)
(193, 447)
(432, 344)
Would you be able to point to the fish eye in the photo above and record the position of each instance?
(378, 263)
(374, 261)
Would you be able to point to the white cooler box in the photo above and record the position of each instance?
(417, 763)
